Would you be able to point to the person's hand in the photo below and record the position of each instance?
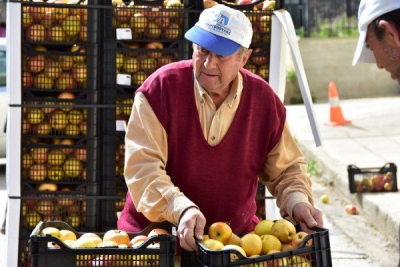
(191, 226)
(307, 216)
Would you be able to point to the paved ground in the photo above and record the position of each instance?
(372, 139)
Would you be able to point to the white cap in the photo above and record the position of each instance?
(368, 11)
(221, 30)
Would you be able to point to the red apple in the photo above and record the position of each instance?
(298, 238)
(351, 209)
(55, 34)
(27, 79)
(36, 12)
(52, 69)
(153, 31)
(162, 20)
(35, 33)
(173, 32)
(42, 81)
(79, 72)
(65, 82)
(122, 13)
(38, 172)
(148, 65)
(220, 231)
(154, 45)
(35, 63)
(137, 239)
(138, 22)
(118, 236)
(48, 19)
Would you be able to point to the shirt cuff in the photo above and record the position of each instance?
(179, 206)
(296, 198)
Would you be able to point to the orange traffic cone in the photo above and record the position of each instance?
(336, 115)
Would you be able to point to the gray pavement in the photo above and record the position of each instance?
(372, 139)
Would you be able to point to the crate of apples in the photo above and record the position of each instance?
(272, 243)
(57, 243)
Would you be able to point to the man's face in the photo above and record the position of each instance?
(215, 72)
(386, 50)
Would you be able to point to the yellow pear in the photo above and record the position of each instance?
(284, 230)
(270, 242)
(234, 240)
(84, 243)
(299, 261)
(237, 248)
(67, 235)
(263, 227)
(51, 231)
(212, 244)
(252, 244)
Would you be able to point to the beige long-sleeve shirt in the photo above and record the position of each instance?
(146, 156)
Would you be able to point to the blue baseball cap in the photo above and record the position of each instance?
(221, 30)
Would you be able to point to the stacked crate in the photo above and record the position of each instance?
(54, 112)
(140, 38)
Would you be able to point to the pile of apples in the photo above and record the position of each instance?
(53, 23)
(142, 60)
(150, 22)
(60, 161)
(61, 208)
(375, 183)
(111, 239)
(268, 237)
(53, 72)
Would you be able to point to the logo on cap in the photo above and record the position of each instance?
(218, 24)
(221, 19)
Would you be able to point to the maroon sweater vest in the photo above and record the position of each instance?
(221, 179)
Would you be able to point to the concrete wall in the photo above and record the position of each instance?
(328, 60)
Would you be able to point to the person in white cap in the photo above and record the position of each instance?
(379, 41)
(203, 132)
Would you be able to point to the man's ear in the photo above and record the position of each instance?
(393, 32)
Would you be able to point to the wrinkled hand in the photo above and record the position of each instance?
(191, 226)
(307, 216)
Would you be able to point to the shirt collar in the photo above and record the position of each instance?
(237, 88)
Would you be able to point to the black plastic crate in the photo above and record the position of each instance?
(24, 256)
(375, 179)
(49, 70)
(148, 20)
(56, 22)
(316, 255)
(146, 58)
(144, 255)
(76, 205)
(59, 116)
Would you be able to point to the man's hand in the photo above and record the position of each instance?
(307, 216)
(191, 226)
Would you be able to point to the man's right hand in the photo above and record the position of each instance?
(191, 226)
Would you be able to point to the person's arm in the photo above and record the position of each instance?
(146, 152)
(285, 175)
